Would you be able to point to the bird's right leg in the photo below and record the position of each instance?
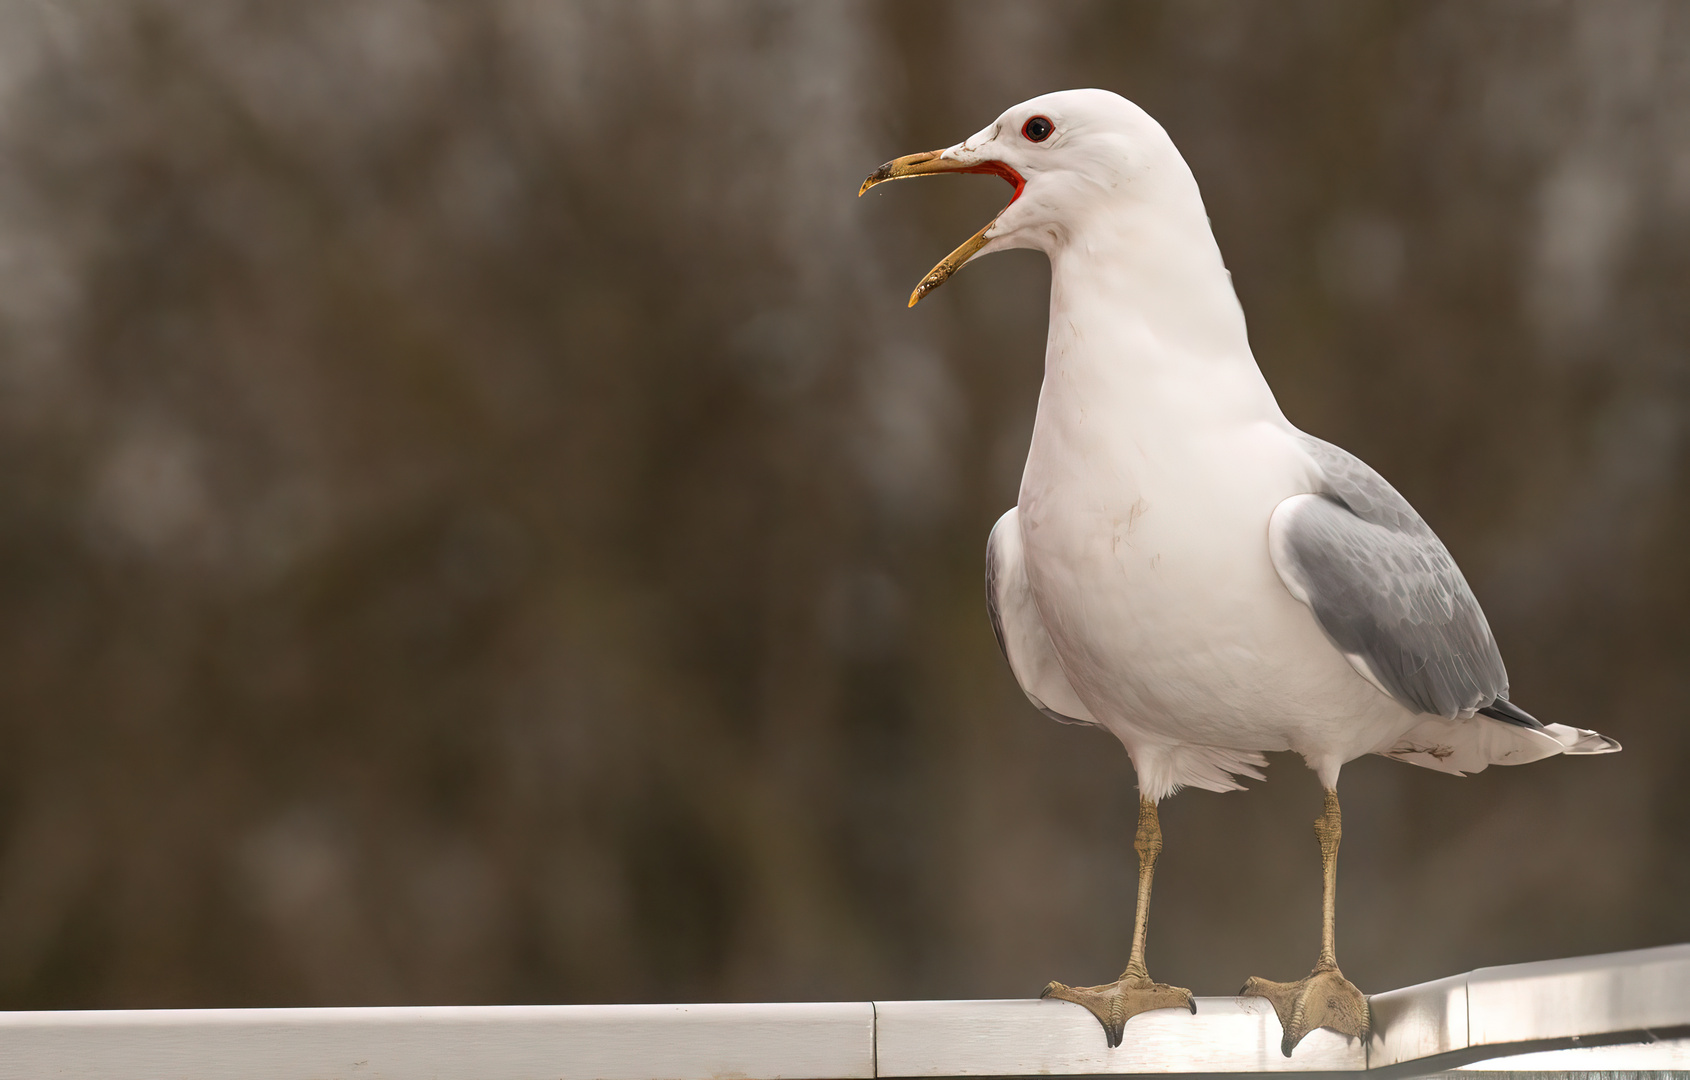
(1134, 992)
(1324, 998)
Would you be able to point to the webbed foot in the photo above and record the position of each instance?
(1117, 1002)
(1323, 1000)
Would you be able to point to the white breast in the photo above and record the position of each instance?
(1144, 516)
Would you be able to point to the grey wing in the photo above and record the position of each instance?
(1385, 589)
(1020, 629)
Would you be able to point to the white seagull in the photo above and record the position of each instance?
(1183, 566)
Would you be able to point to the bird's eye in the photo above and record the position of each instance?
(1038, 129)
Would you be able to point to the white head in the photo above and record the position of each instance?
(1077, 159)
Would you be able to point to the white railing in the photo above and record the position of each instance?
(1624, 1011)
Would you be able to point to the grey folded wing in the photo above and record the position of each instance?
(1385, 589)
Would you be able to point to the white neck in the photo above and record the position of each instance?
(1142, 310)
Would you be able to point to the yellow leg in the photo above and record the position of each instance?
(1134, 992)
(1328, 830)
(1325, 998)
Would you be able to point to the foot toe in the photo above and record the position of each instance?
(1323, 1000)
(1115, 1003)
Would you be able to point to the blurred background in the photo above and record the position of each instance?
(479, 524)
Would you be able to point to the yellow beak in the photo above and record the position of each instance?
(932, 164)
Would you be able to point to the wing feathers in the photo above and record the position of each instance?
(1020, 629)
(1387, 593)
(1385, 589)
(1501, 709)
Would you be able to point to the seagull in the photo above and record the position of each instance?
(1184, 567)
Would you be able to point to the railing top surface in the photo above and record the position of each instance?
(1622, 1011)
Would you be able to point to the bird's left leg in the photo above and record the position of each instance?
(1134, 992)
(1325, 998)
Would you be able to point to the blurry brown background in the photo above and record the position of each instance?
(478, 523)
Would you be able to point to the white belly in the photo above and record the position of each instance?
(1152, 573)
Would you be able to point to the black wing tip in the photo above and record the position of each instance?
(1501, 709)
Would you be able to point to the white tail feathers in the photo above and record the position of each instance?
(1575, 740)
(1468, 746)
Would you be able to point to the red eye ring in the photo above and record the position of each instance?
(1037, 129)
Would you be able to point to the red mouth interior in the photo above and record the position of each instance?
(998, 168)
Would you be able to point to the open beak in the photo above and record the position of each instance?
(931, 164)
